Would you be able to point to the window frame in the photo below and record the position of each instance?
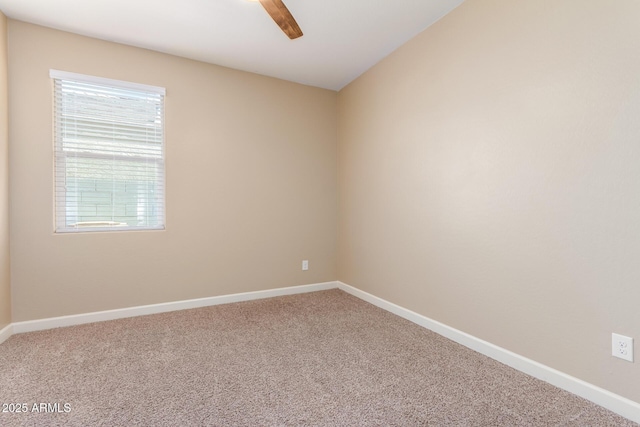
(59, 218)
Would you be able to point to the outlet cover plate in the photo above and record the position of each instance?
(622, 347)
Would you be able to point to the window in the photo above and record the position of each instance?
(109, 154)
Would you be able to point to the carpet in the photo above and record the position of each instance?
(317, 359)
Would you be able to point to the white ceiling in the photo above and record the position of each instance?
(342, 38)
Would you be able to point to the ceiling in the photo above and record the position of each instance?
(342, 38)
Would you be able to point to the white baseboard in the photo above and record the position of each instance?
(6, 332)
(100, 316)
(613, 402)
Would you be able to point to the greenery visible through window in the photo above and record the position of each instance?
(109, 154)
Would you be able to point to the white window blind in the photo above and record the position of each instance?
(109, 154)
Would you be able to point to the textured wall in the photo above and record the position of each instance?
(489, 178)
(5, 284)
(250, 172)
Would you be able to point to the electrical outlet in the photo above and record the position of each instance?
(305, 265)
(622, 347)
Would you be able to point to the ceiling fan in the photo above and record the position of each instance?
(282, 17)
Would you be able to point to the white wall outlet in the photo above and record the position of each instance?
(622, 347)
(305, 265)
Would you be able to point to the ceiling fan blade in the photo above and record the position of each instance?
(282, 17)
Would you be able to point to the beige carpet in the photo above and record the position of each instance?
(318, 359)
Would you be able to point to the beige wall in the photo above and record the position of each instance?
(251, 184)
(5, 284)
(489, 178)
